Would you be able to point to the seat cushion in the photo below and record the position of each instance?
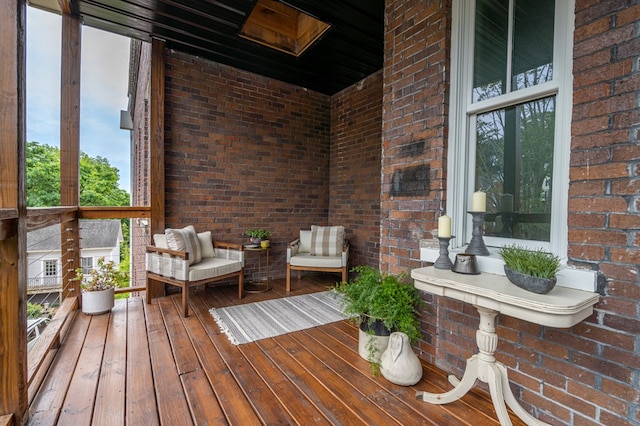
(326, 240)
(211, 267)
(307, 260)
(185, 239)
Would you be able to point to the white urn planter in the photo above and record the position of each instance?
(372, 340)
(97, 302)
(399, 364)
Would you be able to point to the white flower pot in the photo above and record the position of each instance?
(97, 302)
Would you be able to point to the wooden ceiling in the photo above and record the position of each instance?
(351, 49)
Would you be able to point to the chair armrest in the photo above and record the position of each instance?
(233, 246)
(173, 253)
(292, 249)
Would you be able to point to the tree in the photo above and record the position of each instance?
(98, 179)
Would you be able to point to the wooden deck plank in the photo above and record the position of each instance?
(184, 371)
(184, 356)
(110, 397)
(384, 395)
(201, 399)
(257, 393)
(79, 403)
(356, 398)
(288, 395)
(140, 403)
(172, 403)
(328, 403)
(229, 394)
(48, 402)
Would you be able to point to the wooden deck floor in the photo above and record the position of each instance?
(146, 365)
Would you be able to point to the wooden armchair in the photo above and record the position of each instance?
(215, 262)
(323, 248)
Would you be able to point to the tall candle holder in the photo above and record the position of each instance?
(476, 245)
(443, 261)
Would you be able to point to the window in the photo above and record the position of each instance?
(87, 264)
(50, 268)
(510, 119)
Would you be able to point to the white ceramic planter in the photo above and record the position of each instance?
(379, 344)
(97, 302)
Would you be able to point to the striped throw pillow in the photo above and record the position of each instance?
(185, 239)
(326, 240)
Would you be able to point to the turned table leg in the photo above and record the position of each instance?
(484, 367)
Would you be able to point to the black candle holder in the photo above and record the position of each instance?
(476, 245)
(443, 261)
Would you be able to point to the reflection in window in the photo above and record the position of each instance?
(514, 164)
(512, 38)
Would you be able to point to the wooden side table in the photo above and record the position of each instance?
(492, 294)
(261, 285)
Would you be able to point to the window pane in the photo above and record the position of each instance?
(490, 49)
(532, 43)
(514, 162)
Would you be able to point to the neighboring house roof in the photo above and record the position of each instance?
(93, 234)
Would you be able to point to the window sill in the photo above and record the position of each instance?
(569, 277)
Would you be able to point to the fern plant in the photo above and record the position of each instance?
(392, 299)
(536, 263)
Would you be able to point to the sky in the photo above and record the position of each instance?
(103, 82)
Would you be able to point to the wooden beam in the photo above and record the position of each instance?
(113, 212)
(156, 145)
(13, 266)
(70, 149)
(156, 149)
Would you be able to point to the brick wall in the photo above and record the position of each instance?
(244, 151)
(356, 126)
(586, 375)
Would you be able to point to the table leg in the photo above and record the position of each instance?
(484, 367)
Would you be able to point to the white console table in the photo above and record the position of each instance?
(492, 294)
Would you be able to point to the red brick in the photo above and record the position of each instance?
(587, 220)
(620, 272)
(599, 171)
(598, 204)
(589, 187)
(625, 255)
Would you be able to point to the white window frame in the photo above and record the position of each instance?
(461, 152)
(45, 269)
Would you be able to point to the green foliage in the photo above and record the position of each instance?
(34, 310)
(536, 263)
(390, 298)
(263, 234)
(103, 277)
(98, 179)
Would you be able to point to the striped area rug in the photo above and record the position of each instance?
(260, 320)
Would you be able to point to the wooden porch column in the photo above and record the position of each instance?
(156, 148)
(13, 214)
(70, 149)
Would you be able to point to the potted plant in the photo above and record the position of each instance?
(380, 304)
(98, 286)
(532, 270)
(258, 235)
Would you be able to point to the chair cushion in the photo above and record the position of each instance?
(306, 260)
(206, 244)
(326, 240)
(212, 267)
(185, 239)
(305, 241)
(160, 241)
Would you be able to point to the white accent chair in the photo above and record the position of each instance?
(218, 261)
(323, 249)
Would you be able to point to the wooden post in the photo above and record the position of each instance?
(70, 150)
(156, 148)
(13, 214)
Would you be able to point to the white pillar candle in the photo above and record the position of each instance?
(479, 202)
(444, 226)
